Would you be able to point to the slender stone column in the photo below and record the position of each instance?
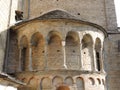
(30, 57)
(46, 56)
(81, 60)
(101, 61)
(64, 54)
(94, 59)
(20, 68)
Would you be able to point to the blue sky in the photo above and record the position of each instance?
(117, 5)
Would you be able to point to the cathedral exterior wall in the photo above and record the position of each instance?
(58, 53)
(73, 79)
(86, 10)
(112, 61)
(7, 14)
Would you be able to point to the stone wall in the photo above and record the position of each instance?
(51, 80)
(4, 14)
(48, 46)
(7, 14)
(112, 61)
(111, 21)
(88, 10)
(101, 12)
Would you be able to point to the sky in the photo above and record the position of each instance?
(117, 5)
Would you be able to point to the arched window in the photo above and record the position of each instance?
(54, 50)
(24, 53)
(72, 50)
(87, 52)
(80, 83)
(98, 53)
(37, 43)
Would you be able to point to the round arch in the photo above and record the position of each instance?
(57, 81)
(38, 51)
(55, 50)
(80, 83)
(45, 83)
(87, 52)
(69, 81)
(23, 53)
(54, 38)
(72, 50)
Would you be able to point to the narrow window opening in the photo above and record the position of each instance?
(98, 60)
(23, 59)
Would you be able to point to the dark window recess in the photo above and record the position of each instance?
(118, 45)
(98, 60)
(23, 59)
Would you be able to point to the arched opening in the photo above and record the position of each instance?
(24, 53)
(99, 81)
(55, 53)
(91, 81)
(72, 50)
(46, 84)
(98, 53)
(63, 88)
(37, 43)
(69, 81)
(57, 81)
(80, 83)
(87, 52)
(103, 82)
